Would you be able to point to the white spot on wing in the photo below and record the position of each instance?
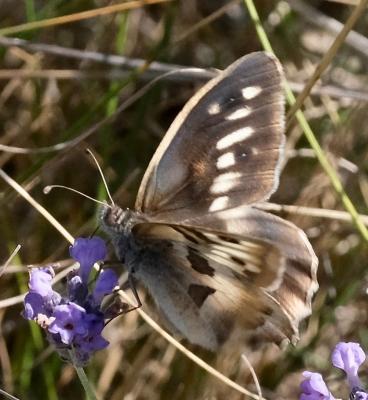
(219, 204)
(226, 160)
(240, 113)
(213, 108)
(235, 137)
(225, 182)
(251, 92)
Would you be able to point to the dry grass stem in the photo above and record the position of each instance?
(8, 261)
(254, 376)
(312, 212)
(327, 58)
(11, 182)
(66, 19)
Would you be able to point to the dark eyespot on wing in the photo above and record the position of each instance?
(200, 264)
(199, 293)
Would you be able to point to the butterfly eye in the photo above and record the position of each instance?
(112, 217)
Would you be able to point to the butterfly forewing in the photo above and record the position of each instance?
(223, 149)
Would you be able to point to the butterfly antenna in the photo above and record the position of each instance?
(102, 175)
(47, 190)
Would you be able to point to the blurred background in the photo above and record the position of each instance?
(60, 81)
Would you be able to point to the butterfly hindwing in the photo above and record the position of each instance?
(209, 283)
(298, 283)
(223, 149)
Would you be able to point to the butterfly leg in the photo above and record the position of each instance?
(131, 282)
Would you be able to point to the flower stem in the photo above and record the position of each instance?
(90, 393)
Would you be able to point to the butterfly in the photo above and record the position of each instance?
(211, 259)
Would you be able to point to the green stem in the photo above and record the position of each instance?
(90, 393)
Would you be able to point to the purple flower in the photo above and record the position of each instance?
(358, 394)
(349, 357)
(105, 284)
(40, 281)
(69, 322)
(314, 388)
(74, 321)
(77, 290)
(87, 252)
(93, 340)
(33, 306)
(40, 299)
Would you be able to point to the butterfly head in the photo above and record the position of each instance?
(117, 223)
(113, 219)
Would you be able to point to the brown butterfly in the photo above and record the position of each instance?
(209, 257)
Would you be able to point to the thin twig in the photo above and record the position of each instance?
(312, 212)
(309, 153)
(8, 261)
(11, 182)
(66, 19)
(186, 74)
(332, 91)
(8, 396)
(327, 58)
(254, 376)
(152, 70)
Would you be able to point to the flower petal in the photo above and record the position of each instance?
(349, 357)
(358, 394)
(69, 322)
(88, 251)
(40, 280)
(33, 305)
(314, 387)
(105, 283)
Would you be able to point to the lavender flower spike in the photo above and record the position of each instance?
(314, 388)
(74, 321)
(349, 357)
